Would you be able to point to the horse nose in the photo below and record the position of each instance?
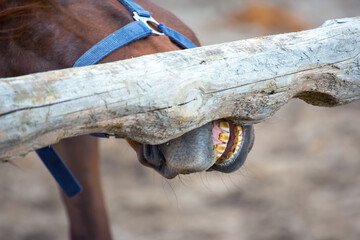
(153, 155)
(192, 152)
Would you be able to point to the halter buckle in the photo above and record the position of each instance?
(146, 21)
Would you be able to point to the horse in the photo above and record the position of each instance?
(43, 35)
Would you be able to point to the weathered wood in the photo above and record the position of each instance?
(155, 98)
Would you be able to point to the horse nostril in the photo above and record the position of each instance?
(147, 151)
(153, 155)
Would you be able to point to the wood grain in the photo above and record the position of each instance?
(155, 98)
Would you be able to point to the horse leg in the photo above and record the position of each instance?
(86, 211)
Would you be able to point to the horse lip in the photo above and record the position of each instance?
(170, 173)
(166, 171)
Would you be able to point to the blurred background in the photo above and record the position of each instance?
(301, 180)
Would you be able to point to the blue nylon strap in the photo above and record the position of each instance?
(134, 7)
(176, 37)
(100, 135)
(59, 171)
(125, 35)
(129, 33)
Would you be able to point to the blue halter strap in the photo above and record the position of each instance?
(131, 32)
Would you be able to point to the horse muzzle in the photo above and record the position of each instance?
(217, 146)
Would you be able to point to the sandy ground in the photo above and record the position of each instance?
(301, 181)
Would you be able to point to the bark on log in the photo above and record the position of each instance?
(155, 98)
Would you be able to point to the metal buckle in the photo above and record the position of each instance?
(146, 21)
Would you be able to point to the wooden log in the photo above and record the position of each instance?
(155, 98)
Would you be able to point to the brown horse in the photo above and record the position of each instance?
(42, 35)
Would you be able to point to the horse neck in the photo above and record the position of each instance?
(39, 35)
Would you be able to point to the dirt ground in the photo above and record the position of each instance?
(301, 181)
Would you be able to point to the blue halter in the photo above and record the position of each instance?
(131, 32)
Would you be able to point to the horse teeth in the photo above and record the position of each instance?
(224, 126)
(220, 147)
(233, 149)
(230, 155)
(224, 137)
(219, 150)
(238, 139)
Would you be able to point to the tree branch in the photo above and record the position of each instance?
(155, 98)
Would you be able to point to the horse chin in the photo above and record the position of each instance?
(197, 151)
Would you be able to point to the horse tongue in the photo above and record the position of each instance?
(216, 133)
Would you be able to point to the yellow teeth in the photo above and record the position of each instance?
(233, 148)
(224, 137)
(224, 126)
(219, 150)
(217, 156)
(237, 142)
(220, 147)
(230, 155)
